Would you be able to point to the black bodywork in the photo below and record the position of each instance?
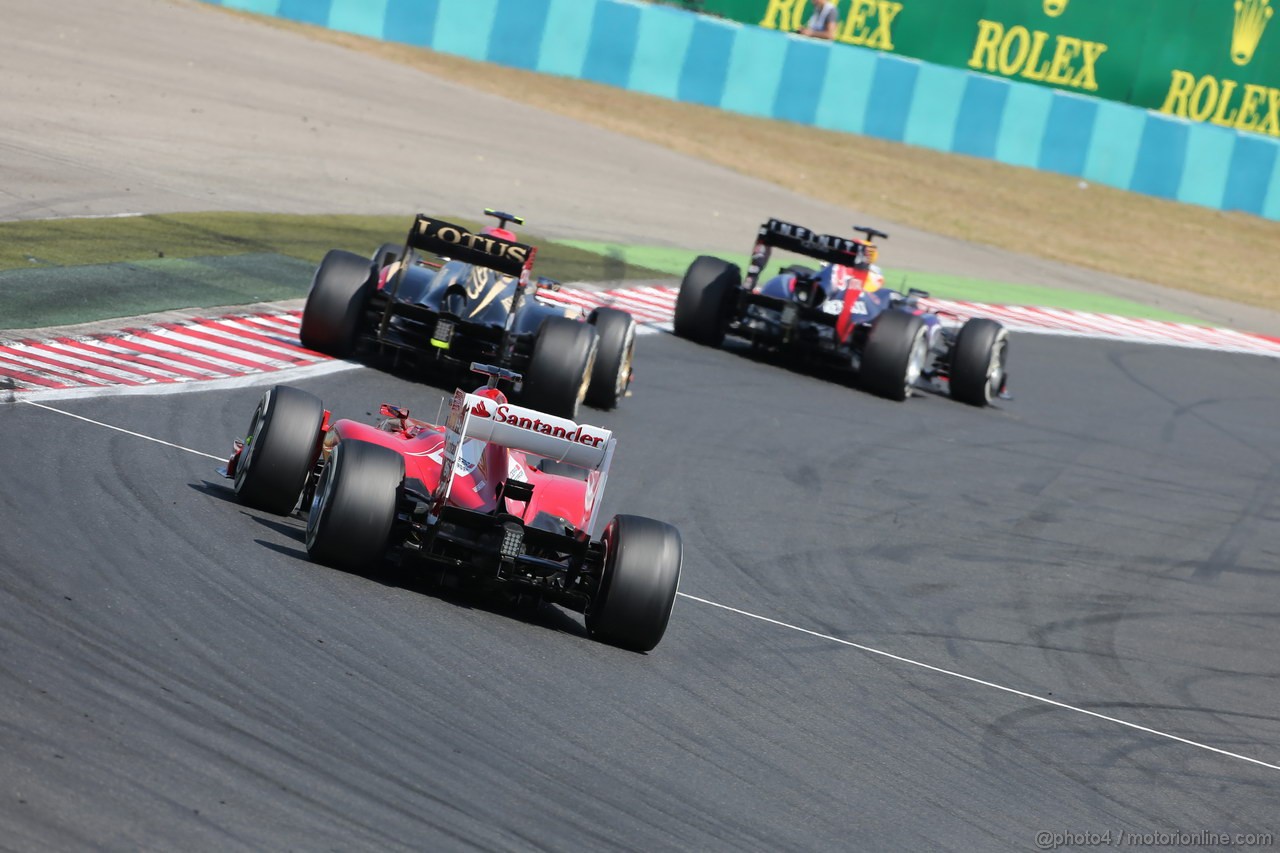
(841, 315)
(793, 310)
(540, 559)
(473, 301)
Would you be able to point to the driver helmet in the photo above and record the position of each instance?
(500, 233)
(493, 394)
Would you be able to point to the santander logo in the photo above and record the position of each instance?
(547, 425)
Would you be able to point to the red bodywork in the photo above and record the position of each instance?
(854, 280)
(481, 469)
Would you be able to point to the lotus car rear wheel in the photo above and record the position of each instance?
(978, 361)
(279, 449)
(705, 301)
(388, 253)
(638, 584)
(560, 368)
(894, 355)
(354, 505)
(612, 373)
(335, 304)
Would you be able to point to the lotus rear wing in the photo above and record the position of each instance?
(472, 416)
(460, 244)
(828, 248)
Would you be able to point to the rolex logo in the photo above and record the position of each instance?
(1251, 20)
(1054, 8)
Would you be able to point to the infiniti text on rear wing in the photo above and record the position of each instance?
(457, 243)
(582, 445)
(829, 248)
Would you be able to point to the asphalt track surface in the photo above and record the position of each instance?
(174, 674)
(177, 675)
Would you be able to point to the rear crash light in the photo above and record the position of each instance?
(443, 334)
(512, 541)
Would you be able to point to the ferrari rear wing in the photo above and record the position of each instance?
(457, 243)
(472, 416)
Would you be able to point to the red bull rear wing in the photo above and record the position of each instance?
(830, 248)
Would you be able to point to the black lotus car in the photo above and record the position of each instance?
(449, 296)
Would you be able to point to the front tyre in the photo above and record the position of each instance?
(354, 505)
(560, 368)
(894, 355)
(978, 361)
(706, 300)
(280, 449)
(335, 305)
(612, 372)
(638, 585)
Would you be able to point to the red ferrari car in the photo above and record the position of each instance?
(500, 495)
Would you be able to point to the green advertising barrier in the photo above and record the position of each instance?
(1215, 61)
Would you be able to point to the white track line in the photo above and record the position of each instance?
(868, 649)
(126, 215)
(969, 678)
(121, 429)
(191, 386)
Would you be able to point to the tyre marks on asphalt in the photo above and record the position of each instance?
(251, 343)
(887, 657)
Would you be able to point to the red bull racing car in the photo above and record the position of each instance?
(500, 496)
(840, 314)
(447, 297)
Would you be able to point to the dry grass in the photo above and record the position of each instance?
(1230, 255)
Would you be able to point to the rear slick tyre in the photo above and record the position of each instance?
(560, 368)
(705, 300)
(388, 253)
(354, 505)
(612, 372)
(638, 584)
(978, 362)
(280, 449)
(894, 355)
(336, 302)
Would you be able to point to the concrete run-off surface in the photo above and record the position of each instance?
(157, 106)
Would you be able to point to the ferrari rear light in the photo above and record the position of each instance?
(512, 540)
